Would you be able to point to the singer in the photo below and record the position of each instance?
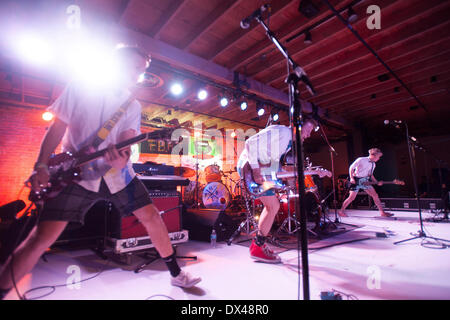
(361, 171)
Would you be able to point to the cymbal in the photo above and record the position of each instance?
(184, 172)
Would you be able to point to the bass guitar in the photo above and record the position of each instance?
(65, 168)
(366, 182)
(274, 181)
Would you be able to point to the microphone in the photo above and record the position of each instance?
(302, 75)
(245, 23)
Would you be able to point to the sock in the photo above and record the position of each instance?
(172, 265)
(260, 240)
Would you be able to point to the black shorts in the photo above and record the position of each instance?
(74, 201)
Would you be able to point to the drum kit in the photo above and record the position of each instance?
(215, 192)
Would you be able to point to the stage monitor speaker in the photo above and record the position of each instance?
(200, 222)
(410, 204)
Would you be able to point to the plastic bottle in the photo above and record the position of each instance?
(213, 238)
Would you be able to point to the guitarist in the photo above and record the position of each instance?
(361, 171)
(262, 153)
(79, 114)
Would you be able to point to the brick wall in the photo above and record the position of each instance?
(21, 132)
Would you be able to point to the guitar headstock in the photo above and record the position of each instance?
(399, 182)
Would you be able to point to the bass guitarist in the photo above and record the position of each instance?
(262, 153)
(361, 171)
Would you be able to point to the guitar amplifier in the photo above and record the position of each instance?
(127, 234)
(169, 205)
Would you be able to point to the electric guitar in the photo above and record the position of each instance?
(65, 168)
(367, 182)
(274, 182)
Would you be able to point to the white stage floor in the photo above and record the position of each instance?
(369, 269)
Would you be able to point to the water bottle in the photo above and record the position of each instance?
(213, 238)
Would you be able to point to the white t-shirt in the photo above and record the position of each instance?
(266, 148)
(85, 112)
(363, 167)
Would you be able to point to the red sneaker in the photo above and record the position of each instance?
(263, 253)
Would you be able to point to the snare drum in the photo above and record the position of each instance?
(212, 173)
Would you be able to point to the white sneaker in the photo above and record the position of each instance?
(185, 280)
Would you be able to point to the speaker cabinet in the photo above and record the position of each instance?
(200, 222)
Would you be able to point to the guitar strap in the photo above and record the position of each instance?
(104, 131)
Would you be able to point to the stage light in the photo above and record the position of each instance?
(202, 94)
(316, 128)
(243, 105)
(352, 16)
(233, 134)
(260, 110)
(223, 101)
(47, 116)
(176, 89)
(33, 50)
(308, 38)
(197, 134)
(292, 109)
(275, 115)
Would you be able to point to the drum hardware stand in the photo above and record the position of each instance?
(248, 223)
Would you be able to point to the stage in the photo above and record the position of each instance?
(368, 269)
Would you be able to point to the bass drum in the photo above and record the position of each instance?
(313, 208)
(216, 196)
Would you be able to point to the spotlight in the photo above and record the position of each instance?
(275, 116)
(316, 128)
(233, 134)
(308, 38)
(243, 105)
(292, 109)
(176, 89)
(47, 116)
(260, 110)
(352, 16)
(223, 101)
(202, 94)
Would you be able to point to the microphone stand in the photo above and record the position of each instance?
(292, 80)
(412, 161)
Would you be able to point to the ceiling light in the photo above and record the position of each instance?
(223, 102)
(202, 94)
(352, 16)
(176, 89)
(308, 38)
(243, 105)
(260, 110)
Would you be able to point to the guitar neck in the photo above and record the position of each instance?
(119, 146)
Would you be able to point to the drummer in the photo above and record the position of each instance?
(262, 153)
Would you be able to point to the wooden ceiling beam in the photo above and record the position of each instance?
(209, 69)
(355, 91)
(278, 7)
(207, 24)
(282, 33)
(174, 7)
(401, 20)
(345, 79)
